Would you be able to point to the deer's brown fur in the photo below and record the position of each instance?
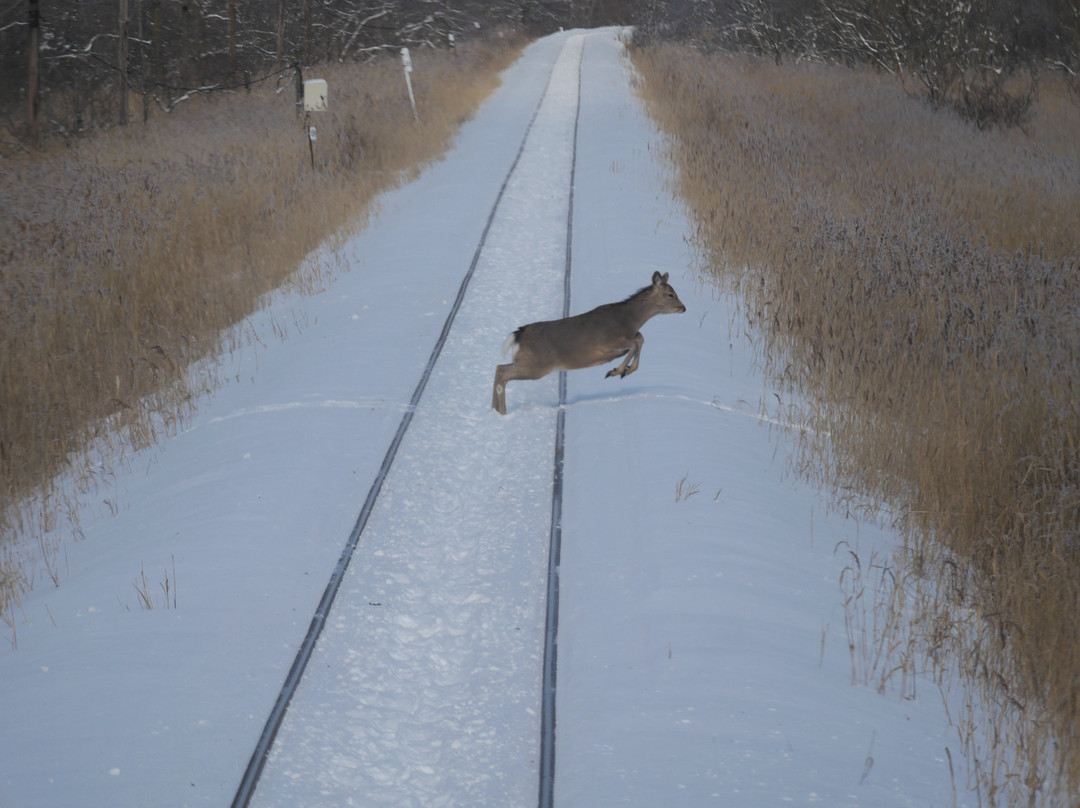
(585, 340)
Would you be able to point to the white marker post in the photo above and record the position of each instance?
(406, 61)
(315, 94)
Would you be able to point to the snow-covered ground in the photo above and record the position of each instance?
(703, 657)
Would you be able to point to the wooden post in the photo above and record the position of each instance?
(33, 46)
(406, 62)
(315, 100)
(310, 137)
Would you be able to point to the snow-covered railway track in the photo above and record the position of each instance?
(696, 661)
(551, 622)
(523, 254)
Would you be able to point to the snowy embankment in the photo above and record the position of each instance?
(703, 657)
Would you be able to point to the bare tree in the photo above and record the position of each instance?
(82, 61)
(967, 54)
(33, 46)
(122, 60)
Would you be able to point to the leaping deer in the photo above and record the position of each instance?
(585, 340)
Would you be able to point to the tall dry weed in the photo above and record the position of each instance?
(123, 258)
(920, 280)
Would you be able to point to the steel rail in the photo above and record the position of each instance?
(246, 790)
(551, 628)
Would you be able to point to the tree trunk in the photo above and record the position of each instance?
(305, 47)
(144, 84)
(280, 33)
(159, 47)
(32, 47)
(122, 61)
(232, 37)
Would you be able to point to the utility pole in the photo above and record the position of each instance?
(33, 45)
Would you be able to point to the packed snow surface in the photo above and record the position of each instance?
(702, 652)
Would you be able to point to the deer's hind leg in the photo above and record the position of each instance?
(515, 370)
(498, 394)
(630, 363)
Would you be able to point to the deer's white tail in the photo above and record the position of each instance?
(510, 343)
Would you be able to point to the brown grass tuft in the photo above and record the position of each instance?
(920, 279)
(122, 259)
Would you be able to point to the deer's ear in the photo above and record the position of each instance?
(664, 277)
(658, 279)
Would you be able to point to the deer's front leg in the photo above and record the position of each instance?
(630, 363)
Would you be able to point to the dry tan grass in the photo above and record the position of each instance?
(921, 281)
(123, 258)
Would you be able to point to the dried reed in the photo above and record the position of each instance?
(122, 259)
(919, 280)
